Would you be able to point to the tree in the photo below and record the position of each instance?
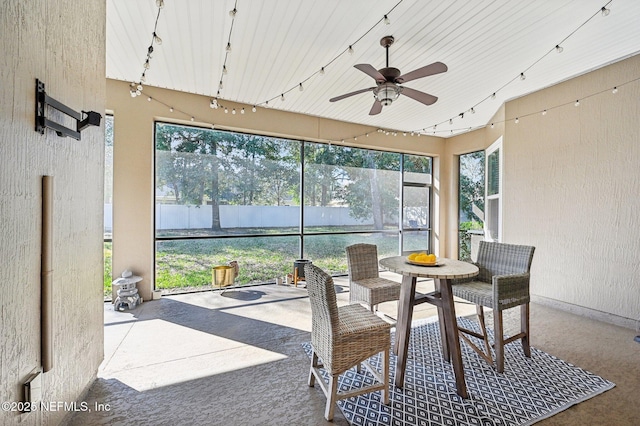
(188, 165)
(369, 193)
(471, 184)
(199, 166)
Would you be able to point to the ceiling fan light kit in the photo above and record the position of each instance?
(386, 93)
(389, 79)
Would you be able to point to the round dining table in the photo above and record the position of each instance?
(443, 272)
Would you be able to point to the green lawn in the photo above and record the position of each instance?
(186, 264)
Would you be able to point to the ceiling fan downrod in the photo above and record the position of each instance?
(386, 42)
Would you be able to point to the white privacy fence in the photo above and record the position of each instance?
(172, 216)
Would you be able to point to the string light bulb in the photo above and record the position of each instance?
(517, 120)
(226, 111)
(559, 48)
(253, 109)
(143, 78)
(220, 86)
(386, 20)
(492, 125)
(224, 70)
(473, 111)
(192, 118)
(544, 112)
(493, 95)
(577, 103)
(233, 111)
(228, 48)
(242, 111)
(170, 109)
(605, 11)
(300, 87)
(615, 90)
(149, 99)
(156, 38)
(232, 13)
(522, 76)
(146, 64)
(213, 104)
(160, 4)
(350, 50)
(322, 71)
(282, 97)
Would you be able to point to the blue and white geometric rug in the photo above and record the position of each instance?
(529, 390)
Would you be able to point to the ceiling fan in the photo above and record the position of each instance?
(389, 79)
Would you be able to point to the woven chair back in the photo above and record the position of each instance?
(322, 296)
(362, 261)
(502, 259)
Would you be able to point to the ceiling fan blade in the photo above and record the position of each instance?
(346, 95)
(434, 68)
(371, 72)
(376, 108)
(419, 96)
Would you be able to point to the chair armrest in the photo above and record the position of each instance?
(511, 290)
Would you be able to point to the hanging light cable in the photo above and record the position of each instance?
(146, 65)
(558, 48)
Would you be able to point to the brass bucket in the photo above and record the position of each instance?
(223, 276)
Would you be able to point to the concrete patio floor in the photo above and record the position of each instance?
(235, 358)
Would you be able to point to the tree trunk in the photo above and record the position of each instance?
(215, 196)
(376, 202)
(376, 205)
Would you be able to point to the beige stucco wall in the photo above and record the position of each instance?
(570, 188)
(61, 42)
(133, 187)
(581, 208)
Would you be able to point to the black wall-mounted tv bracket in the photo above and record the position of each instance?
(83, 119)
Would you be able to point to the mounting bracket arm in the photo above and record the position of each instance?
(42, 122)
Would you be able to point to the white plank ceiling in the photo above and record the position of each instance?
(277, 44)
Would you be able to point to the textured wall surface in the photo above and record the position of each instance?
(581, 208)
(571, 184)
(60, 42)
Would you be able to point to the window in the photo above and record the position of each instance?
(493, 220)
(470, 202)
(264, 202)
(416, 203)
(108, 202)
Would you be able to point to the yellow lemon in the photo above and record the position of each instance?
(412, 256)
(431, 258)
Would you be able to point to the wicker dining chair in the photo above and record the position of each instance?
(365, 284)
(503, 282)
(342, 338)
